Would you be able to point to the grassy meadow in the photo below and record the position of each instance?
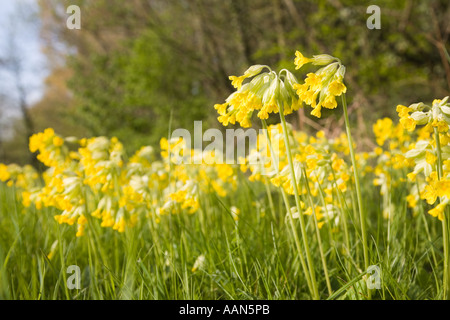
(301, 217)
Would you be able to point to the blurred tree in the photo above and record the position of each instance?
(16, 88)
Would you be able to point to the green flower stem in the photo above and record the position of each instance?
(362, 214)
(269, 196)
(297, 202)
(319, 239)
(312, 289)
(267, 187)
(445, 284)
(342, 211)
(322, 199)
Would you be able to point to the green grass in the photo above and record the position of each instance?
(255, 258)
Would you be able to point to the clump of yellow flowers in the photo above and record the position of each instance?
(266, 92)
(321, 88)
(431, 153)
(95, 181)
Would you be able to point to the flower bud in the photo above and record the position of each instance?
(417, 106)
(253, 70)
(322, 59)
(420, 117)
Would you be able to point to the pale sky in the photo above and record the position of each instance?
(25, 36)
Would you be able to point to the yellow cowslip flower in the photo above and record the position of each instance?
(82, 221)
(383, 130)
(58, 141)
(444, 138)
(429, 194)
(300, 60)
(330, 102)
(317, 60)
(26, 201)
(101, 160)
(441, 125)
(412, 201)
(119, 224)
(308, 211)
(4, 174)
(408, 123)
(311, 163)
(402, 111)
(443, 188)
(430, 158)
(425, 132)
(337, 164)
(237, 81)
(284, 178)
(439, 210)
(320, 213)
(337, 88)
(242, 104)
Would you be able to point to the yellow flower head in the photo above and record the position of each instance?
(382, 130)
(321, 88)
(4, 173)
(337, 88)
(438, 211)
(266, 92)
(300, 60)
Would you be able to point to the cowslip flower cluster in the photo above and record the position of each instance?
(52, 151)
(391, 164)
(96, 181)
(266, 92)
(189, 178)
(437, 115)
(270, 147)
(327, 174)
(431, 153)
(321, 88)
(20, 177)
(90, 178)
